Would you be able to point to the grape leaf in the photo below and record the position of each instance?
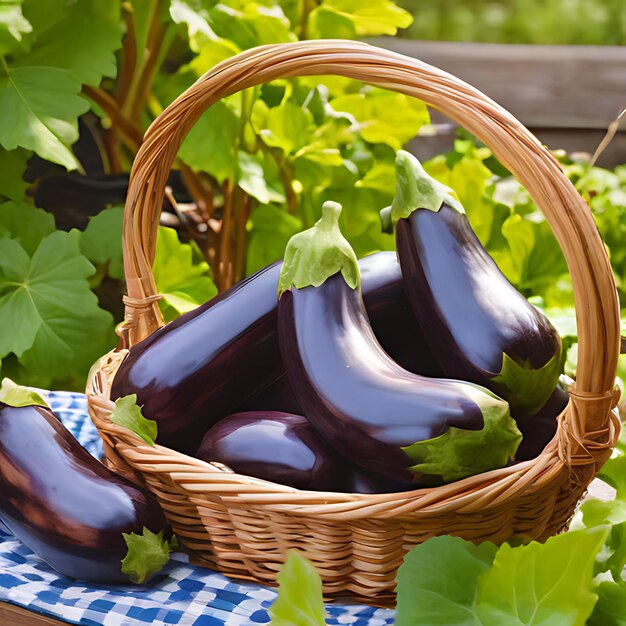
(182, 283)
(101, 242)
(13, 25)
(438, 582)
(147, 554)
(56, 325)
(128, 414)
(374, 17)
(299, 601)
(12, 168)
(25, 224)
(39, 108)
(542, 584)
(84, 42)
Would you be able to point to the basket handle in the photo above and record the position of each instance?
(597, 309)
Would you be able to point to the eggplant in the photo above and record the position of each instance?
(479, 327)
(275, 446)
(383, 418)
(70, 509)
(195, 370)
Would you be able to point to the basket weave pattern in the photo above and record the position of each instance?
(243, 526)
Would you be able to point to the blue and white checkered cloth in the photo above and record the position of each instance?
(181, 595)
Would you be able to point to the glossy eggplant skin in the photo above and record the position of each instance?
(62, 503)
(354, 394)
(195, 370)
(539, 429)
(468, 311)
(279, 447)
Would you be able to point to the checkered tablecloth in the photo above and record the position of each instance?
(182, 594)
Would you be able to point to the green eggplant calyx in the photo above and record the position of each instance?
(147, 554)
(318, 253)
(460, 453)
(526, 388)
(17, 396)
(415, 189)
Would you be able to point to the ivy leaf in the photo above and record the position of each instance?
(39, 108)
(183, 284)
(147, 554)
(56, 325)
(542, 584)
(25, 224)
(84, 42)
(610, 610)
(299, 601)
(12, 168)
(375, 17)
(270, 229)
(128, 414)
(18, 396)
(13, 25)
(438, 582)
(101, 242)
(371, 110)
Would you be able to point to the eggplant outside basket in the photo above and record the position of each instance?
(242, 526)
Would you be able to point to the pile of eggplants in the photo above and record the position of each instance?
(397, 371)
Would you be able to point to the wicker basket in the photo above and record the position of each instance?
(242, 526)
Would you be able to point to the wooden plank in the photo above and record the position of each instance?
(11, 615)
(544, 86)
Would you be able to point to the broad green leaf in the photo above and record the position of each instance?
(181, 281)
(374, 17)
(18, 396)
(541, 584)
(383, 116)
(599, 512)
(13, 25)
(128, 414)
(101, 242)
(39, 108)
(288, 127)
(613, 472)
(610, 610)
(25, 224)
(299, 601)
(84, 42)
(147, 554)
(270, 229)
(381, 177)
(211, 145)
(12, 168)
(57, 327)
(253, 180)
(438, 582)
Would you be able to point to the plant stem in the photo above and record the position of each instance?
(224, 264)
(241, 239)
(129, 56)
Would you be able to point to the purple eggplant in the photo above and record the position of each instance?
(195, 370)
(69, 508)
(279, 447)
(382, 417)
(479, 327)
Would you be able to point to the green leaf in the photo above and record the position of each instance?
(270, 230)
(58, 330)
(288, 127)
(39, 108)
(610, 610)
(541, 584)
(459, 453)
(374, 17)
(613, 472)
(372, 111)
(101, 242)
(12, 168)
(318, 253)
(438, 582)
(183, 283)
(17, 396)
(252, 179)
(84, 42)
(147, 554)
(13, 25)
(25, 224)
(299, 601)
(128, 414)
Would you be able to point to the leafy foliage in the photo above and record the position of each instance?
(147, 554)
(127, 413)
